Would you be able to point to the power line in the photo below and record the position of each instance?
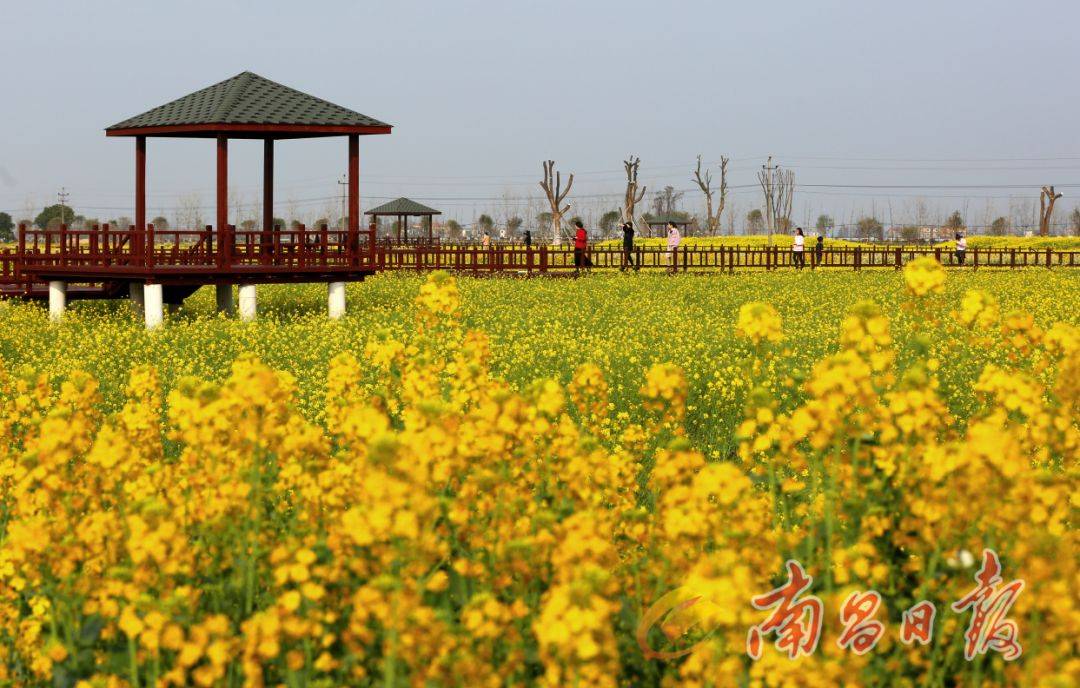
(457, 180)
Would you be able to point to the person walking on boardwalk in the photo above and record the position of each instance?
(673, 241)
(581, 242)
(528, 239)
(961, 248)
(628, 246)
(798, 249)
(819, 249)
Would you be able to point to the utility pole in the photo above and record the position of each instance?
(62, 196)
(344, 184)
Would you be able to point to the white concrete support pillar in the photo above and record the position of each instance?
(153, 305)
(248, 303)
(336, 299)
(57, 300)
(135, 293)
(225, 302)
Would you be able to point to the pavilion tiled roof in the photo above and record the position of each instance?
(666, 219)
(248, 98)
(403, 206)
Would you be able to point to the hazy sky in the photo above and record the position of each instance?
(944, 93)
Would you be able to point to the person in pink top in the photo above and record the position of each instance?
(673, 241)
(798, 249)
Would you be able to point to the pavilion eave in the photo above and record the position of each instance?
(423, 214)
(250, 131)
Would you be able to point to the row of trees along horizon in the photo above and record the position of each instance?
(607, 225)
(774, 216)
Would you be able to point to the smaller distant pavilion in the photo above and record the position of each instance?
(403, 209)
(661, 223)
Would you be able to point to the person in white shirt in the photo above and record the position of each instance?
(798, 249)
(673, 241)
(961, 248)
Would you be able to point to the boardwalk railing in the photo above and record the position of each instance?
(105, 253)
(561, 259)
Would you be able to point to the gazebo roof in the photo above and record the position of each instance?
(403, 206)
(248, 106)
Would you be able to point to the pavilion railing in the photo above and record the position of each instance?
(106, 248)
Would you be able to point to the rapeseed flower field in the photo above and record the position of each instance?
(504, 482)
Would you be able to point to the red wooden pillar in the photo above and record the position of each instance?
(222, 218)
(354, 182)
(268, 184)
(140, 191)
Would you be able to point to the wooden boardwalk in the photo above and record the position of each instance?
(556, 260)
(101, 262)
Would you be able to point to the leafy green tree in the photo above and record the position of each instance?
(1074, 220)
(513, 225)
(755, 221)
(160, 222)
(955, 222)
(909, 232)
(454, 229)
(870, 228)
(608, 220)
(278, 222)
(56, 214)
(7, 232)
(543, 220)
(485, 223)
(824, 224)
(1000, 226)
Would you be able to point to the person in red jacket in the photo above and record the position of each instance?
(581, 242)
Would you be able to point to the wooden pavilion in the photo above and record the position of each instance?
(403, 209)
(246, 106)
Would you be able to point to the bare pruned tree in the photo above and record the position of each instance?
(633, 195)
(704, 182)
(778, 188)
(552, 186)
(1047, 199)
(189, 212)
(785, 195)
